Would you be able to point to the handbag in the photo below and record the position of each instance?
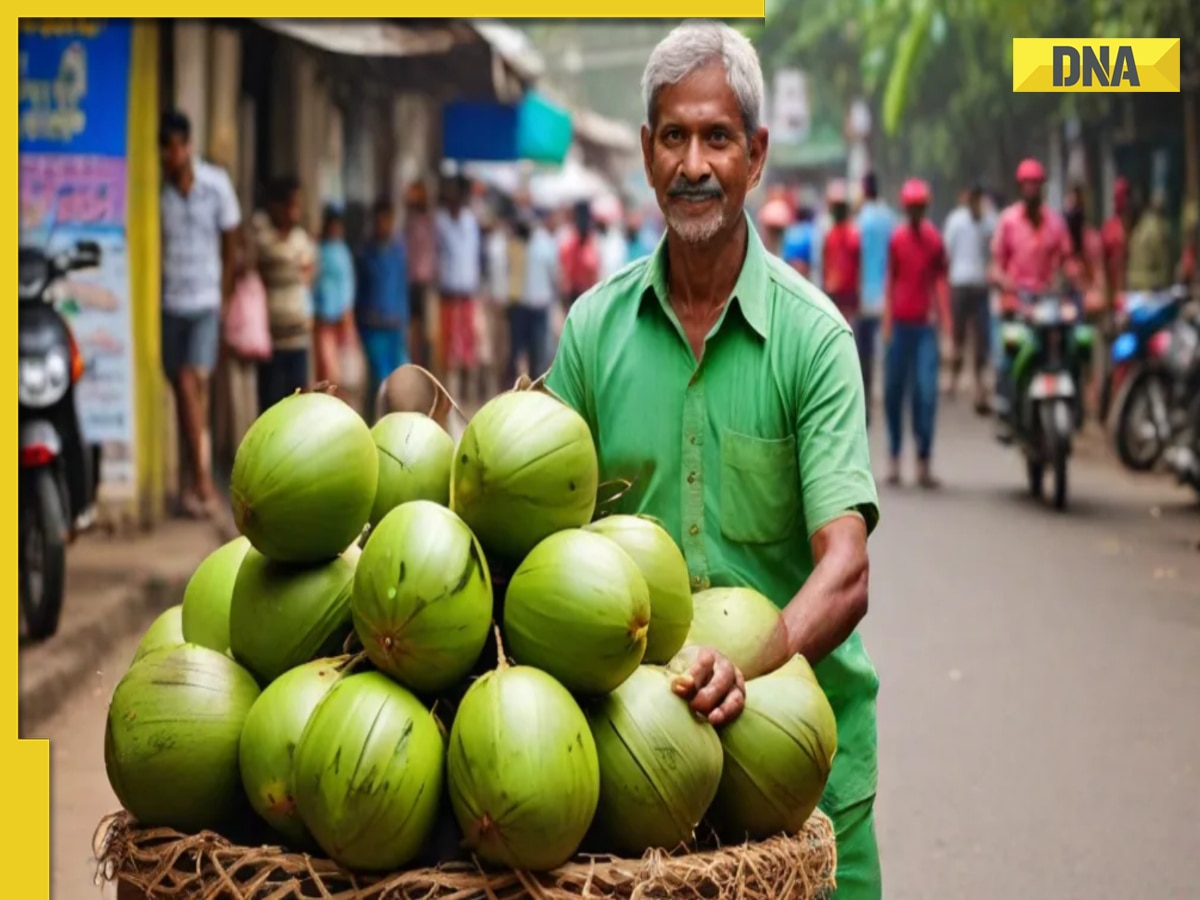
(247, 329)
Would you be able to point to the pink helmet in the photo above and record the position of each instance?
(606, 209)
(914, 192)
(1030, 170)
(775, 214)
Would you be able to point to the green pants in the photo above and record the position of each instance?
(858, 875)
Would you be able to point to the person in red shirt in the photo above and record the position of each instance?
(579, 257)
(841, 253)
(916, 302)
(1114, 240)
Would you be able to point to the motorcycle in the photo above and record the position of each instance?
(1182, 453)
(1135, 400)
(1049, 346)
(57, 481)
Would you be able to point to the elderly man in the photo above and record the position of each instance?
(727, 389)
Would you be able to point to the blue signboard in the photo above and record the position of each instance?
(74, 86)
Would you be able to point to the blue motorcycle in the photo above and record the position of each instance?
(1135, 395)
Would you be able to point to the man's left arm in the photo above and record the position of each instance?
(840, 505)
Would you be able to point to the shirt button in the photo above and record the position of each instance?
(691, 477)
(691, 439)
(694, 530)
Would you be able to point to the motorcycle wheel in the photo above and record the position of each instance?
(43, 556)
(1134, 423)
(1060, 479)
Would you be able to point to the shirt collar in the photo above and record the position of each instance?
(749, 292)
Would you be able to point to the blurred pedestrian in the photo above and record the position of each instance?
(420, 244)
(1150, 266)
(798, 241)
(381, 306)
(773, 221)
(333, 297)
(1114, 237)
(287, 263)
(580, 254)
(200, 215)
(968, 238)
(841, 253)
(637, 237)
(493, 331)
(614, 252)
(459, 258)
(876, 222)
(917, 303)
(530, 315)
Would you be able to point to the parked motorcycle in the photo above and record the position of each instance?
(1049, 345)
(1135, 400)
(56, 473)
(1182, 363)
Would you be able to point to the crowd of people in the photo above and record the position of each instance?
(294, 308)
(910, 289)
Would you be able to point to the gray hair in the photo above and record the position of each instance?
(695, 45)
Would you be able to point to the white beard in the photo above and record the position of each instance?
(693, 230)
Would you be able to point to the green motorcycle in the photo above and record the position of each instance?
(1049, 348)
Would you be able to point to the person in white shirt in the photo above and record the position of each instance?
(530, 315)
(459, 260)
(967, 235)
(614, 250)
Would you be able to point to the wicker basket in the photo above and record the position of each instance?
(160, 864)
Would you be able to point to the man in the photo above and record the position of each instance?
(200, 217)
(382, 307)
(530, 315)
(726, 388)
(968, 237)
(916, 302)
(1030, 247)
(1114, 235)
(421, 244)
(580, 254)
(798, 241)
(875, 226)
(614, 251)
(841, 253)
(459, 264)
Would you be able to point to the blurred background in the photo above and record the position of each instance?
(1039, 669)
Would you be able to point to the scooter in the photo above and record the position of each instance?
(57, 481)
(1049, 346)
(1135, 400)
(1182, 363)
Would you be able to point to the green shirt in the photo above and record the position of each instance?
(742, 457)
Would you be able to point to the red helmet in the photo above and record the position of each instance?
(776, 213)
(1030, 170)
(915, 192)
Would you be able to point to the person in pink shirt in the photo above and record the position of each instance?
(916, 303)
(421, 243)
(1031, 250)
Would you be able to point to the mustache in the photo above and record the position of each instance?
(704, 190)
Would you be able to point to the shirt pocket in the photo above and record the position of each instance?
(760, 497)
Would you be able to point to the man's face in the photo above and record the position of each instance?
(698, 158)
(1031, 192)
(975, 204)
(916, 212)
(175, 155)
(287, 212)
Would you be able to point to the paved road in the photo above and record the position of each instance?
(1039, 722)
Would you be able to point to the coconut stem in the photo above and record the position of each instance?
(501, 659)
(355, 661)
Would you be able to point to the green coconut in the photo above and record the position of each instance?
(268, 745)
(284, 616)
(304, 479)
(578, 607)
(738, 622)
(525, 468)
(662, 565)
(523, 776)
(368, 773)
(422, 601)
(208, 595)
(415, 455)
(171, 742)
(778, 755)
(659, 764)
(165, 631)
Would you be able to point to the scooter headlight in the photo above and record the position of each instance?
(42, 381)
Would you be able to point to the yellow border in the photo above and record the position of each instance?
(27, 832)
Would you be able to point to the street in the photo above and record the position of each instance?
(1038, 724)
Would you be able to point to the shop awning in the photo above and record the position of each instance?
(534, 129)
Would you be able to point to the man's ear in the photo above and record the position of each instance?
(758, 156)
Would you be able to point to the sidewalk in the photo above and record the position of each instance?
(115, 588)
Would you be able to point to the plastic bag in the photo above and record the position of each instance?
(247, 330)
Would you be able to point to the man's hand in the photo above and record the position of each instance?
(713, 685)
